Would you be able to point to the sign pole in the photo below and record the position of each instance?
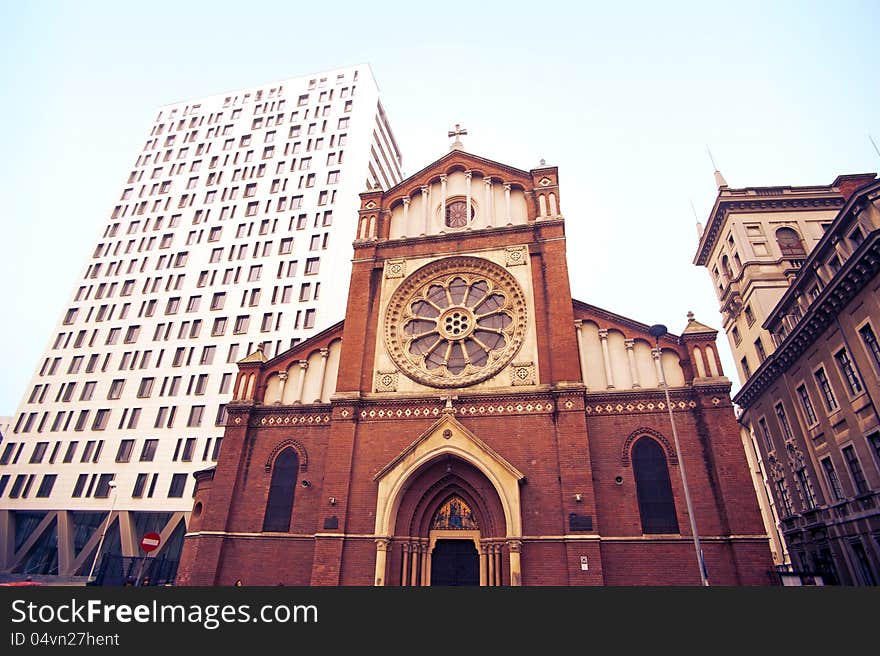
(150, 542)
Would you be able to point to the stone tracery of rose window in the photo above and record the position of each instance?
(455, 322)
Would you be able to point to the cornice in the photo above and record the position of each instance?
(854, 276)
(856, 204)
(408, 242)
(824, 200)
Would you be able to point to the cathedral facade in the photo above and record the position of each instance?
(469, 423)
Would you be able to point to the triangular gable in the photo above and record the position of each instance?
(447, 436)
(448, 422)
(458, 157)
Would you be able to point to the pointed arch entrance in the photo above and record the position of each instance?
(448, 513)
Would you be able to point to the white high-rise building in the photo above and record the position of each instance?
(231, 234)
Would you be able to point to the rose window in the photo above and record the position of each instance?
(457, 214)
(455, 322)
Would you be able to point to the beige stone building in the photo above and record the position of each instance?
(795, 271)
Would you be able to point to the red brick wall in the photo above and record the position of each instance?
(560, 454)
(563, 453)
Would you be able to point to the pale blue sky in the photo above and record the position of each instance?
(623, 99)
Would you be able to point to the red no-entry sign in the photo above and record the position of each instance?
(150, 541)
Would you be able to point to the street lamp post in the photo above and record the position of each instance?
(656, 331)
(112, 486)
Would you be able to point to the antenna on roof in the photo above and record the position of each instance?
(719, 179)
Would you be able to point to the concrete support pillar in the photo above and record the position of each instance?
(66, 553)
(7, 538)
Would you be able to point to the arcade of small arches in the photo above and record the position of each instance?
(610, 360)
(458, 199)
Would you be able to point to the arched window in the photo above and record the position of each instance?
(656, 505)
(280, 502)
(790, 243)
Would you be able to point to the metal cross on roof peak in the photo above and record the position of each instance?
(457, 132)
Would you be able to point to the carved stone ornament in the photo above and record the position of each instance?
(516, 255)
(395, 268)
(776, 470)
(522, 373)
(795, 456)
(455, 322)
(386, 381)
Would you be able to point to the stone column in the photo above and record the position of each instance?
(507, 204)
(426, 581)
(491, 550)
(404, 570)
(490, 218)
(843, 249)
(467, 184)
(631, 356)
(655, 353)
(414, 564)
(443, 200)
(609, 377)
(381, 558)
(406, 212)
(282, 377)
(498, 570)
(484, 566)
(428, 564)
(515, 547)
(325, 353)
(425, 215)
(579, 329)
(301, 382)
